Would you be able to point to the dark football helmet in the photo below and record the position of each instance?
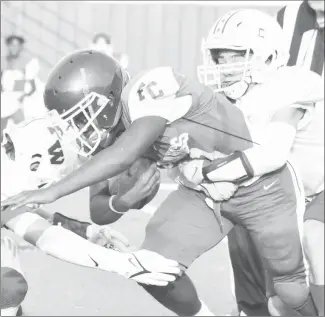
(83, 93)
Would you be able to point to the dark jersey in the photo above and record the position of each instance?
(197, 117)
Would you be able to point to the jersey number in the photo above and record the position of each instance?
(56, 153)
(150, 90)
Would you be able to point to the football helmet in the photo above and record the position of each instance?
(83, 93)
(34, 155)
(257, 36)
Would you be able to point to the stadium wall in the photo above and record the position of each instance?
(151, 34)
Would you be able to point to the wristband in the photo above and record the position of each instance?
(110, 203)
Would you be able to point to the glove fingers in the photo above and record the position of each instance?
(162, 277)
(159, 279)
(147, 281)
(119, 245)
(111, 234)
(167, 269)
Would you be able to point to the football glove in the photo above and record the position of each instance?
(150, 268)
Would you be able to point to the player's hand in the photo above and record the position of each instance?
(192, 171)
(150, 268)
(34, 197)
(107, 237)
(143, 188)
(200, 154)
(219, 191)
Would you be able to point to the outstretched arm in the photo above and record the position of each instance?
(143, 266)
(53, 240)
(114, 160)
(134, 142)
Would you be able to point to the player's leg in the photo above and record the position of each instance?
(13, 284)
(248, 273)
(254, 290)
(183, 228)
(268, 209)
(313, 242)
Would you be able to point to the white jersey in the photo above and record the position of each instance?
(300, 88)
(32, 157)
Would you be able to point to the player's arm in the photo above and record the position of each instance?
(100, 205)
(111, 161)
(143, 266)
(53, 240)
(271, 154)
(132, 144)
(276, 139)
(106, 207)
(150, 117)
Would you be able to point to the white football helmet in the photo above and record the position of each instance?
(35, 154)
(252, 32)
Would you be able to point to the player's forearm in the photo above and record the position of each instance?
(100, 211)
(102, 166)
(271, 155)
(61, 243)
(65, 245)
(114, 160)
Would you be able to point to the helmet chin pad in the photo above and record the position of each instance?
(238, 89)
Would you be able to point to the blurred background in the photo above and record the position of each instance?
(150, 34)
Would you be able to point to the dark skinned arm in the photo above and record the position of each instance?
(100, 212)
(114, 160)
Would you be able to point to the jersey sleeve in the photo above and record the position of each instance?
(155, 94)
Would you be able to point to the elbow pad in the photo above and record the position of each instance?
(237, 162)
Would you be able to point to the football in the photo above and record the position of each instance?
(122, 183)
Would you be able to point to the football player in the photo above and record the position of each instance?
(37, 164)
(164, 115)
(286, 104)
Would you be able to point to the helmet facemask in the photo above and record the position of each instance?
(233, 78)
(88, 122)
(263, 52)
